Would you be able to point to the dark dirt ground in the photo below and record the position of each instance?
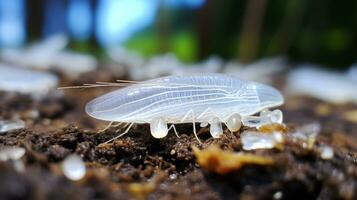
(137, 166)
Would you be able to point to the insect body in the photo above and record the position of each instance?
(209, 99)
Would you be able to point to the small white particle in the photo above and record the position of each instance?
(278, 195)
(11, 153)
(173, 176)
(73, 167)
(8, 125)
(203, 124)
(313, 81)
(326, 152)
(255, 140)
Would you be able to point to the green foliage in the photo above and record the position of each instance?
(182, 44)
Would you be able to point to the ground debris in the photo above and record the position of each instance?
(222, 162)
(143, 190)
(267, 136)
(252, 140)
(305, 135)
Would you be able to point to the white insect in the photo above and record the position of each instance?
(208, 99)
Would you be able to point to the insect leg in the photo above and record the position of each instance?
(118, 124)
(215, 129)
(125, 132)
(158, 128)
(121, 126)
(234, 122)
(194, 128)
(190, 112)
(215, 122)
(207, 110)
(107, 127)
(173, 127)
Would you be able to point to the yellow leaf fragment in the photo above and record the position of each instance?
(273, 127)
(222, 162)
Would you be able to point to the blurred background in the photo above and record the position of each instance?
(320, 31)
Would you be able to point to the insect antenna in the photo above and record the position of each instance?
(78, 86)
(94, 85)
(127, 81)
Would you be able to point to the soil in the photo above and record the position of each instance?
(138, 166)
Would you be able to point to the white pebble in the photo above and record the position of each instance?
(173, 176)
(48, 54)
(73, 64)
(326, 152)
(255, 140)
(38, 55)
(74, 167)
(16, 79)
(278, 195)
(262, 70)
(8, 125)
(325, 85)
(11, 153)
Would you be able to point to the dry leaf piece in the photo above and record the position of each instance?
(214, 159)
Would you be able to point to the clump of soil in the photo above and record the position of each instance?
(138, 166)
